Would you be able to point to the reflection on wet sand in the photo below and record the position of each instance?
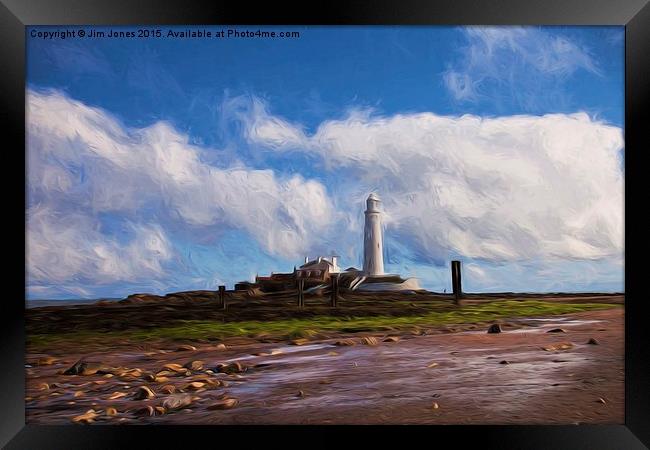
(463, 377)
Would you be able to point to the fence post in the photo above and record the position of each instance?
(301, 295)
(456, 281)
(222, 297)
(334, 280)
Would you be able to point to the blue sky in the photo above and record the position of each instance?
(333, 110)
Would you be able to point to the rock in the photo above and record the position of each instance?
(435, 405)
(176, 401)
(186, 348)
(601, 400)
(557, 330)
(149, 377)
(201, 377)
(128, 378)
(194, 386)
(135, 373)
(226, 403)
(299, 341)
(43, 387)
(332, 354)
(593, 341)
(559, 346)
(160, 410)
(116, 395)
(46, 361)
(235, 367)
(110, 411)
(161, 379)
(433, 364)
(220, 347)
(504, 362)
(345, 342)
(146, 410)
(300, 394)
(84, 368)
(391, 339)
(88, 417)
(78, 394)
(369, 340)
(215, 383)
(144, 393)
(494, 328)
(194, 365)
(173, 367)
(168, 389)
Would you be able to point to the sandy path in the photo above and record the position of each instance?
(387, 383)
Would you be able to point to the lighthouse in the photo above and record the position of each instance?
(373, 247)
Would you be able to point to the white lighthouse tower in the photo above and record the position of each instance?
(373, 246)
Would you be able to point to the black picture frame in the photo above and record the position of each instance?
(15, 15)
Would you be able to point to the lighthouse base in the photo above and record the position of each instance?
(388, 283)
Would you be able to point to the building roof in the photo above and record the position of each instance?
(316, 262)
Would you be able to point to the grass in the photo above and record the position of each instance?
(295, 328)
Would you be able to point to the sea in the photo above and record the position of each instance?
(39, 303)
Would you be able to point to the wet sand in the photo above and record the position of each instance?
(389, 383)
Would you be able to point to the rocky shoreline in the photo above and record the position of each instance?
(334, 380)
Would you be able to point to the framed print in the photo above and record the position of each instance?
(403, 219)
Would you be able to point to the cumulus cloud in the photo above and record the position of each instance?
(83, 163)
(513, 188)
(522, 58)
(66, 246)
(513, 191)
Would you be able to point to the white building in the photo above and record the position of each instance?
(373, 246)
(319, 268)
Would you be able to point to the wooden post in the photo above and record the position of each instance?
(456, 281)
(334, 280)
(222, 297)
(301, 294)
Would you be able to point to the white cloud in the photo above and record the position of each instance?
(461, 85)
(261, 126)
(84, 162)
(500, 189)
(66, 246)
(519, 57)
(513, 190)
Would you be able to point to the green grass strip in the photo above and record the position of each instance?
(293, 328)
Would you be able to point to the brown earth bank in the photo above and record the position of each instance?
(565, 369)
(142, 311)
